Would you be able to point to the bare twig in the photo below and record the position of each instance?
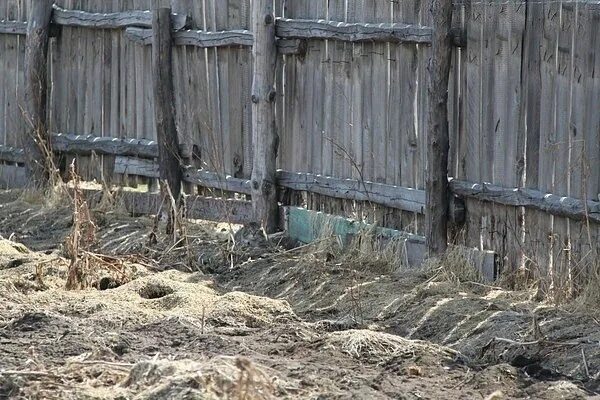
(585, 364)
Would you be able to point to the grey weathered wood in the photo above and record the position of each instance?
(136, 166)
(164, 100)
(215, 181)
(521, 197)
(195, 38)
(13, 27)
(437, 136)
(407, 199)
(388, 195)
(88, 144)
(112, 20)
(36, 144)
(352, 32)
(264, 131)
(292, 46)
(11, 155)
(13, 177)
(197, 207)
(459, 37)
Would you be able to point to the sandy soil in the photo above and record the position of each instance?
(209, 320)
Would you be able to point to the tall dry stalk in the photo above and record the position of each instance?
(82, 236)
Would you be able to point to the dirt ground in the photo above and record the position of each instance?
(208, 320)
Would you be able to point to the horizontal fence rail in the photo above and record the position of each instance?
(407, 199)
(196, 38)
(13, 27)
(352, 32)
(115, 20)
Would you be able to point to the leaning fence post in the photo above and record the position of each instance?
(36, 143)
(164, 109)
(264, 132)
(437, 197)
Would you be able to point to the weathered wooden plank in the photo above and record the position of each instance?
(522, 197)
(312, 109)
(473, 96)
(116, 20)
(197, 207)
(213, 135)
(592, 135)
(215, 181)
(196, 38)
(380, 107)
(13, 177)
(292, 46)
(224, 85)
(531, 73)
(11, 154)
(235, 72)
(359, 67)
(247, 76)
(136, 166)
(352, 32)
(13, 27)
(86, 144)
(391, 196)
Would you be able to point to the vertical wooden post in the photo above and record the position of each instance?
(164, 106)
(264, 131)
(437, 198)
(36, 143)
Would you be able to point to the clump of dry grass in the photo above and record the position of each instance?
(457, 267)
(364, 249)
(376, 252)
(588, 297)
(377, 347)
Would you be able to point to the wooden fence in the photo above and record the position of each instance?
(351, 111)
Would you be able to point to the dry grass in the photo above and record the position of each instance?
(378, 347)
(588, 298)
(457, 267)
(235, 378)
(366, 249)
